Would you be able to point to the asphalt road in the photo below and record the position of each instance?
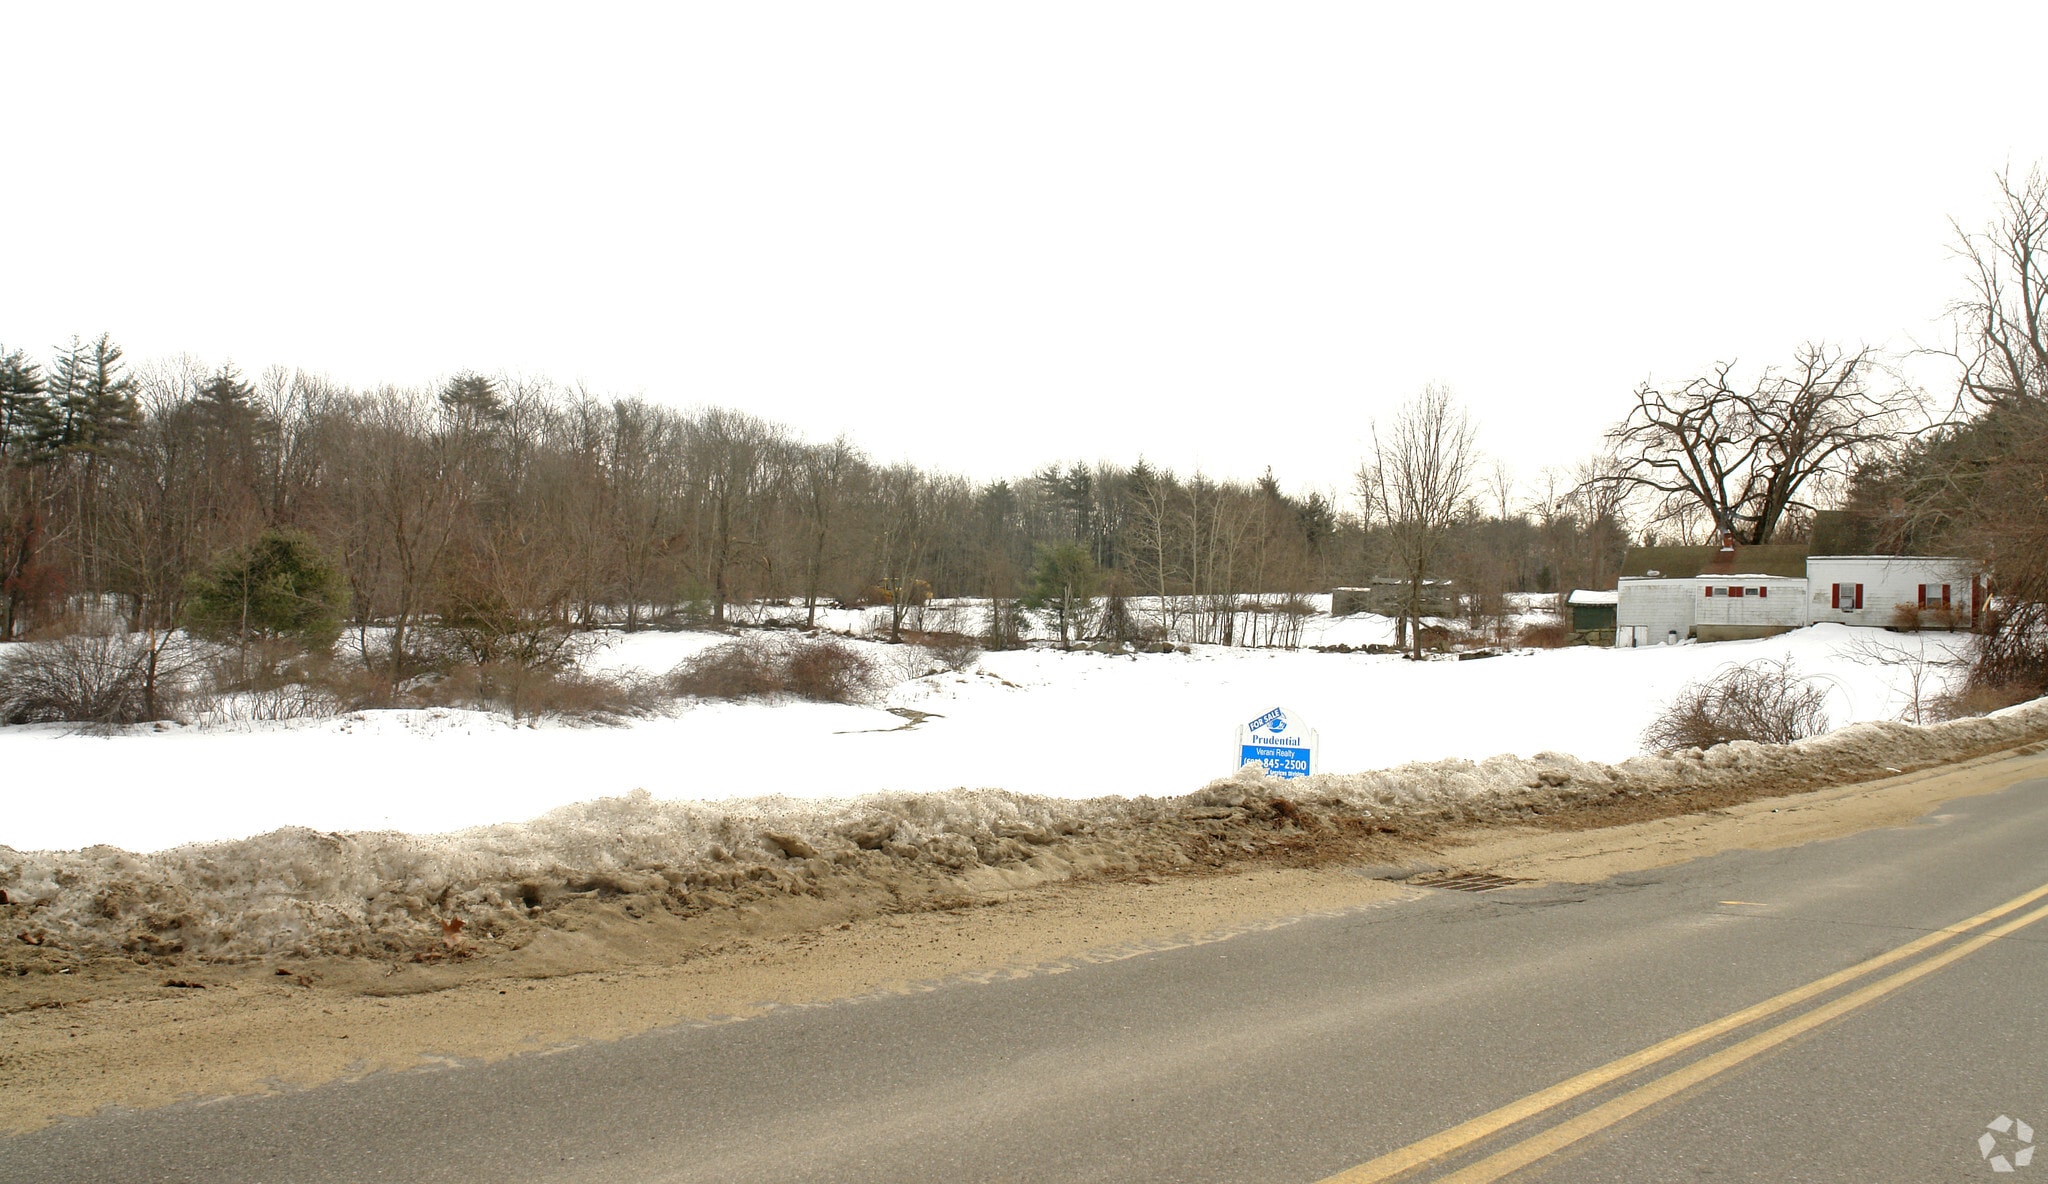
(1288, 1055)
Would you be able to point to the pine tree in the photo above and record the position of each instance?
(1064, 582)
(95, 401)
(281, 587)
(473, 400)
(225, 407)
(28, 422)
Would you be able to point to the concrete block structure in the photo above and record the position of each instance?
(1388, 597)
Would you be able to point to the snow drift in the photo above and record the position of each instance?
(297, 892)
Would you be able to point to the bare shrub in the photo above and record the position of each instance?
(92, 678)
(272, 701)
(1545, 635)
(527, 692)
(1973, 698)
(734, 670)
(828, 670)
(953, 651)
(1436, 638)
(356, 686)
(1765, 701)
(824, 669)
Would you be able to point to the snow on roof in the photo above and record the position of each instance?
(1591, 596)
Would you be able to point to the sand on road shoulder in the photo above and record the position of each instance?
(1590, 856)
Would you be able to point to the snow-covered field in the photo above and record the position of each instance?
(1068, 725)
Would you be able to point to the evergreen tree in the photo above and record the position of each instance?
(1318, 521)
(95, 401)
(225, 405)
(473, 400)
(1064, 582)
(281, 587)
(28, 423)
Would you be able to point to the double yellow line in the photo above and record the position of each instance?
(1543, 1143)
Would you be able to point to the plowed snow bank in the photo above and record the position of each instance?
(301, 892)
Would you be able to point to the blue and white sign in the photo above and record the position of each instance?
(1280, 741)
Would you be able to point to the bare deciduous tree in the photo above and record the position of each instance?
(1419, 475)
(1747, 455)
(2002, 324)
(1985, 482)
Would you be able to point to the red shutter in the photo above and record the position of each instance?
(1923, 596)
(1859, 596)
(1944, 596)
(1708, 591)
(1737, 592)
(1838, 597)
(1763, 591)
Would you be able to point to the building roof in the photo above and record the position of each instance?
(1589, 596)
(1683, 563)
(1846, 532)
(1897, 558)
(1715, 576)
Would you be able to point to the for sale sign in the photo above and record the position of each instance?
(1279, 741)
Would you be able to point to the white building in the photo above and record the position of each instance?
(1925, 591)
(1737, 606)
(1653, 611)
(1668, 594)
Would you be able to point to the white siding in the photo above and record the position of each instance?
(1888, 581)
(1656, 608)
(1765, 600)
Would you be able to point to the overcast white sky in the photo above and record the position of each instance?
(985, 238)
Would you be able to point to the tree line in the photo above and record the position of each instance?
(518, 508)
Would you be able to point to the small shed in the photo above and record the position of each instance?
(1593, 615)
(1898, 591)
